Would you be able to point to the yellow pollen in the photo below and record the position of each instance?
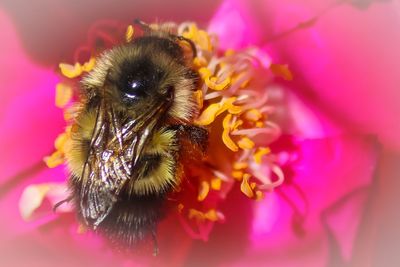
(216, 184)
(238, 175)
(259, 124)
(211, 215)
(237, 124)
(198, 95)
(69, 114)
(88, 66)
(200, 37)
(203, 190)
(64, 94)
(244, 84)
(240, 165)
(204, 41)
(199, 62)
(262, 151)
(55, 159)
(215, 109)
(204, 72)
(71, 71)
(226, 123)
(246, 143)
(60, 141)
(229, 52)
(282, 71)
(245, 187)
(212, 83)
(259, 195)
(191, 32)
(129, 34)
(253, 115)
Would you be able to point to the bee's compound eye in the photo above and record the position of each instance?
(135, 89)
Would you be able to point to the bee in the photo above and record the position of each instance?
(133, 132)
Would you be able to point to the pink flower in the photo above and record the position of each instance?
(338, 117)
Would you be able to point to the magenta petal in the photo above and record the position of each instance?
(347, 62)
(315, 216)
(29, 121)
(235, 26)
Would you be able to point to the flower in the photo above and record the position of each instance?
(309, 220)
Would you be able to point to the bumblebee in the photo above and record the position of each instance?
(134, 129)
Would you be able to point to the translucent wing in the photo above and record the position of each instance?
(114, 151)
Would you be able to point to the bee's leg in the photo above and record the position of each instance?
(58, 204)
(196, 135)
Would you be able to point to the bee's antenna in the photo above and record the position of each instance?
(144, 26)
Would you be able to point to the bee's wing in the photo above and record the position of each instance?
(107, 167)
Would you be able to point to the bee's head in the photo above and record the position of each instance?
(149, 72)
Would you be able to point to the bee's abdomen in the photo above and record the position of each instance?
(133, 218)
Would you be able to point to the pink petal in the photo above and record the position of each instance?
(345, 63)
(28, 118)
(348, 63)
(306, 221)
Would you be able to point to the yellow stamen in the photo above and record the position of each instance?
(129, 34)
(246, 143)
(208, 115)
(212, 83)
(55, 159)
(282, 71)
(262, 151)
(240, 165)
(244, 84)
(237, 124)
(229, 52)
(198, 95)
(226, 123)
(259, 124)
(204, 72)
(203, 40)
(203, 190)
(199, 62)
(88, 66)
(60, 141)
(71, 71)
(191, 32)
(253, 115)
(259, 195)
(64, 94)
(211, 215)
(245, 186)
(215, 109)
(238, 175)
(69, 114)
(216, 184)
